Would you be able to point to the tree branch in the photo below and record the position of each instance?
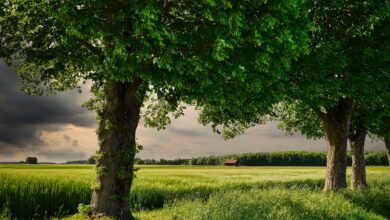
(320, 113)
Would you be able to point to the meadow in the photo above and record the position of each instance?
(196, 192)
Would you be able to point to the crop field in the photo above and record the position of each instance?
(196, 192)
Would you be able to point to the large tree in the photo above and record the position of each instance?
(348, 62)
(177, 50)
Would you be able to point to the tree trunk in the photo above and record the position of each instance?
(118, 121)
(358, 176)
(387, 144)
(336, 123)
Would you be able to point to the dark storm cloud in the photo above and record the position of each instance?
(23, 118)
(69, 140)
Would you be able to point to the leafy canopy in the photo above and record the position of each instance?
(200, 52)
(348, 58)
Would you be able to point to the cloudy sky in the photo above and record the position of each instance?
(56, 128)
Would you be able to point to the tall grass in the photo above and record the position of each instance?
(30, 196)
(265, 204)
(44, 190)
(54, 190)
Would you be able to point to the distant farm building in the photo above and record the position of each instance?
(230, 163)
(31, 160)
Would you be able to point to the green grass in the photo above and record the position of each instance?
(265, 204)
(204, 192)
(44, 189)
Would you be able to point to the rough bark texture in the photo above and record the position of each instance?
(358, 176)
(336, 122)
(387, 143)
(117, 127)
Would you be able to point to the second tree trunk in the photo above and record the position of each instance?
(358, 175)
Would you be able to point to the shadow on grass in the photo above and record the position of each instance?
(376, 200)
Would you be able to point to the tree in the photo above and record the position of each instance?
(369, 117)
(176, 50)
(296, 117)
(349, 47)
(347, 63)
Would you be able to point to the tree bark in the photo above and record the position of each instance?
(118, 121)
(336, 123)
(387, 144)
(358, 176)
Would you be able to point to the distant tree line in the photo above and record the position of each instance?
(269, 159)
(375, 158)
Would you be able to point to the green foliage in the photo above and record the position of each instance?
(101, 170)
(192, 51)
(283, 159)
(91, 160)
(379, 125)
(157, 114)
(339, 64)
(96, 187)
(209, 160)
(85, 209)
(295, 117)
(347, 58)
(177, 161)
(376, 158)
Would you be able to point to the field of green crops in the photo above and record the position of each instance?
(197, 192)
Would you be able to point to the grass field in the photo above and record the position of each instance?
(197, 192)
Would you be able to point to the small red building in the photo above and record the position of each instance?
(230, 163)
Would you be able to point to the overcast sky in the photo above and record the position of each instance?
(57, 129)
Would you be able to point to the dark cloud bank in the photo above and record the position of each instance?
(23, 118)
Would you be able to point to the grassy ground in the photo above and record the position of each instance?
(204, 192)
